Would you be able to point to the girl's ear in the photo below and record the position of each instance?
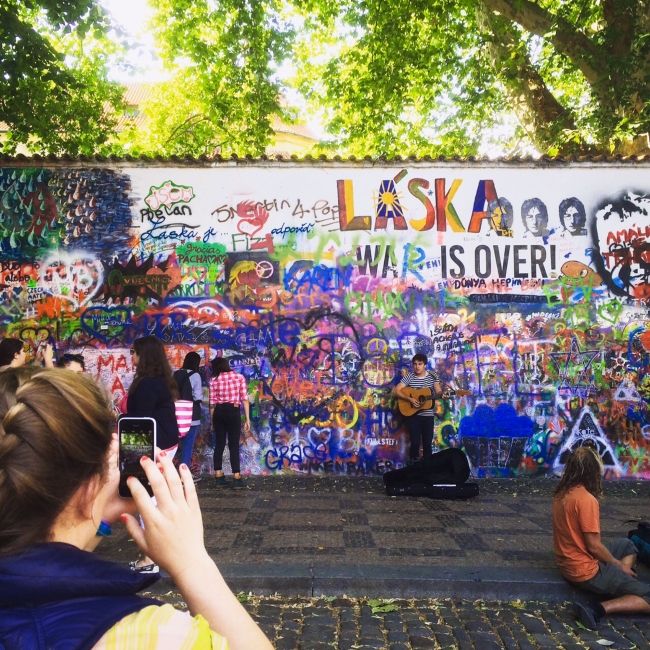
(86, 495)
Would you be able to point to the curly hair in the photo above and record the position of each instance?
(584, 467)
(152, 362)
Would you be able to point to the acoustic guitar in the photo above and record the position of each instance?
(426, 397)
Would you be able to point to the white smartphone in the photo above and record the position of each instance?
(137, 438)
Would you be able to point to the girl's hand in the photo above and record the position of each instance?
(114, 505)
(45, 353)
(173, 531)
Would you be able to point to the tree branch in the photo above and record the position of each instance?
(620, 18)
(185, 125)
(543, 117)
(588, 57)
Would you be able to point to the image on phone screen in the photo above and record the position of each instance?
(137, 437)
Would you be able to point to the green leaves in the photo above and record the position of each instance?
(53, 92)
(382, 605)
(223, 93)
(387, 78)
(434, 77)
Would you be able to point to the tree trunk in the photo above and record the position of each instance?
(545, 120)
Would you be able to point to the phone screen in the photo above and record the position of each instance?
(137, 438)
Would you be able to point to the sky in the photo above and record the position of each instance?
(132, 16)
(143, 64)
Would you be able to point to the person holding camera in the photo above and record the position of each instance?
(58, 498)
(13, 353)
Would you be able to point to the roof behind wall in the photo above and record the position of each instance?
(322, 160)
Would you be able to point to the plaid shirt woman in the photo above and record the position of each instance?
(227, 394)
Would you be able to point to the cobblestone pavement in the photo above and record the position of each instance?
(351, 623)
(347, 529)
(350, 520)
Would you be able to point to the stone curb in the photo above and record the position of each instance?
(395, 582)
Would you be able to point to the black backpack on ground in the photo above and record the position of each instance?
(443, 476)
(184, 385)
(640, 536)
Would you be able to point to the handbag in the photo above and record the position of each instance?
(182, 377)
(640, 536)
(183, 408)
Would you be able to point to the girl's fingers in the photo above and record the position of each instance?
(136, 532)
(157, 482)
(174, 483)
(141, 497)
(189, 487)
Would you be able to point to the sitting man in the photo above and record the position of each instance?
(581, 557)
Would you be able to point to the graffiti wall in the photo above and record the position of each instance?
(528, 287)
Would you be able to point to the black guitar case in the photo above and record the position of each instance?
(444, 476)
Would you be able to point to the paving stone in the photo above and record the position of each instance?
(463, 638)
(485, 643)
(281, 524)
(509, 644)
(420, 641)
(446, 640)
(477, 625)
(545, 640)
(287, 642)
(533, 625)
(395, 636)
(553, 623)
(527, 645)
(347, 640)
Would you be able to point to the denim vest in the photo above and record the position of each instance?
(59, 597)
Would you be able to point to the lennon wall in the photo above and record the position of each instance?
(528, 286)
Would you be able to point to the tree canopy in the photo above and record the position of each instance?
(392, 77)
(54, 92)
(224, 90)
(434, 76)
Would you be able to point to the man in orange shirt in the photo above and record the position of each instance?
(581, 557)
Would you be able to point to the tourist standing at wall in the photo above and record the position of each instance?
(152, 395)
(74, 362)
(188, 383)
(228, 394)
(153, 391)
(13, 353)
(580, 554)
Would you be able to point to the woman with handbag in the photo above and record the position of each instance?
(152, 395)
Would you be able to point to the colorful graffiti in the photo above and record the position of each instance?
(528, 289)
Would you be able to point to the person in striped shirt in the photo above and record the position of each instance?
(419, 425)
(227, 394)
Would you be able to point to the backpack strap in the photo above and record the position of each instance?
(185, 380)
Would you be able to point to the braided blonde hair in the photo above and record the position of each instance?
(53, 439)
